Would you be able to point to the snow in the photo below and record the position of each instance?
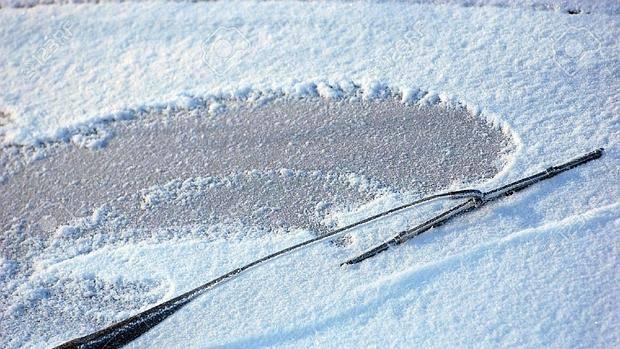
(569, 6)
(539, 268)
(99, 83)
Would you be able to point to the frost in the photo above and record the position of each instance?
(536, 270)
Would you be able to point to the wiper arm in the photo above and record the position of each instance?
(122, 333)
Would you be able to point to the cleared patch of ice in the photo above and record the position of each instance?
(256, 170)
(381, 144)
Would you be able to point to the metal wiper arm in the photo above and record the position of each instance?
(123, 332)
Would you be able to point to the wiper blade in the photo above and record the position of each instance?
(474, 203)
(122, 333)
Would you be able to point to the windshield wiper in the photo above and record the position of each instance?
(122, 333)
(473, 203)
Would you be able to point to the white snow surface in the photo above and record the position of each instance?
(575, 6)
(538, 269)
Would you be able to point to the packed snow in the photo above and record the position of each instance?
(537, 269)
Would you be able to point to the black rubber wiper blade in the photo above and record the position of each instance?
(474, 203)
(408, 234)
